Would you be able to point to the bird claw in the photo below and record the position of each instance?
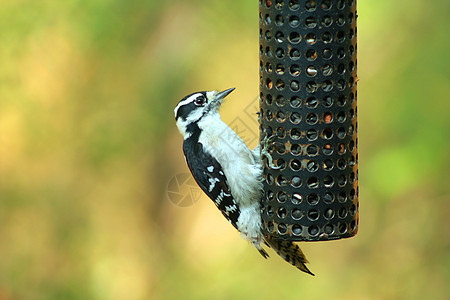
(267, 143)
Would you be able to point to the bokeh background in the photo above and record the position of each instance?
(88, 149)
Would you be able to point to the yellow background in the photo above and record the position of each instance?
(88, 145)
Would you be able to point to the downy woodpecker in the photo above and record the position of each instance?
(228, 171)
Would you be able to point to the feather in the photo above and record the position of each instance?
(290, 252)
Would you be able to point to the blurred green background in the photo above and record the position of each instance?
(88, 146)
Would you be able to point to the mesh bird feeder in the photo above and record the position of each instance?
(308, 104)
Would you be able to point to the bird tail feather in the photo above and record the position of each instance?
(290, 252)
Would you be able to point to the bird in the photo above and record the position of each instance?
(228, 172)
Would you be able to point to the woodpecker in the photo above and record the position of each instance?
(228, 171)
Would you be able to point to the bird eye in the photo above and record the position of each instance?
(199, 101)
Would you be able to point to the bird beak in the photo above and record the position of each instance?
(223, 94)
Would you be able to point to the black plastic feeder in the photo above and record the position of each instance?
(308, 102)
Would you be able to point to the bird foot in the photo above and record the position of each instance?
(267, 145)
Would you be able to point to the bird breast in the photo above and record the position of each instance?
(242, 172)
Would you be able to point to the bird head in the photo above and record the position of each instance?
(197, 105)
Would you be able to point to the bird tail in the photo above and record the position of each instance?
(290, 252)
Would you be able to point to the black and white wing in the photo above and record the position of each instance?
(210, 177)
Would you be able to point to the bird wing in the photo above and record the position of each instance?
(210, 177)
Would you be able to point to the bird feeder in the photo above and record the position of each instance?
(308, 104)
